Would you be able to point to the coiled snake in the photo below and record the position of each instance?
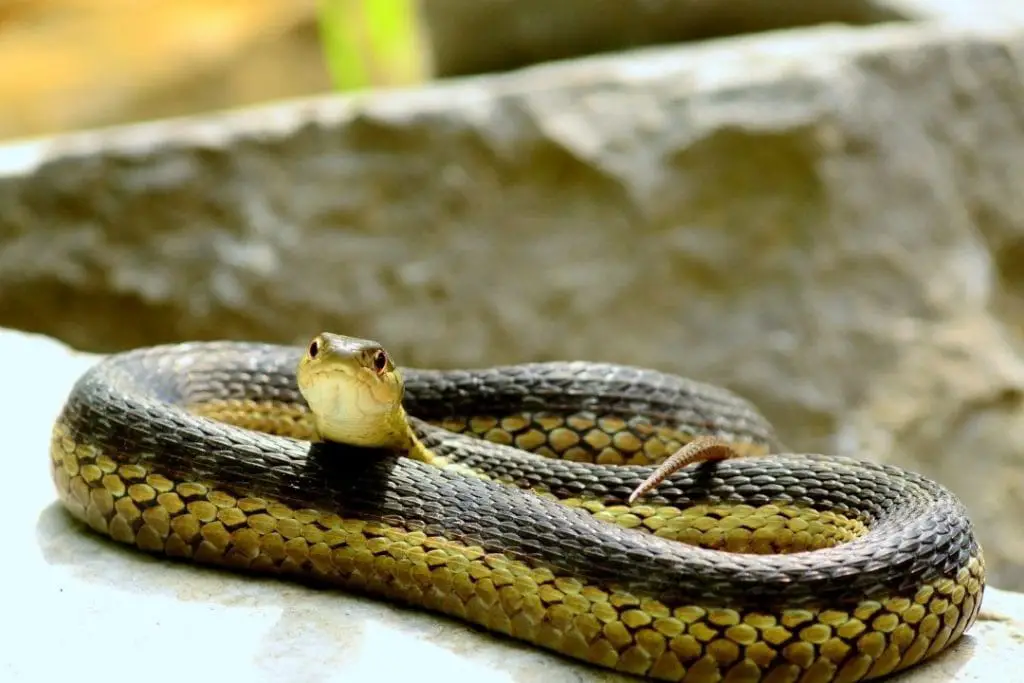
(514, 510)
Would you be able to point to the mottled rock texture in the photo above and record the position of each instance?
(828, 221)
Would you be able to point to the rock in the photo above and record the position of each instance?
(955, 390)
(278, 630)
(826, 222)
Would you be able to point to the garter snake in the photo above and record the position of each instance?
(515, 510)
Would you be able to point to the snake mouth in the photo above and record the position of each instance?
(337, 389)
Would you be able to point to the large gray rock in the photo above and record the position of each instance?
(85, 593)
(828, 222)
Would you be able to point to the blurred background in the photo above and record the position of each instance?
(814, 204)
(88, 63)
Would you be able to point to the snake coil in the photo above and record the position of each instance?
(772, 568)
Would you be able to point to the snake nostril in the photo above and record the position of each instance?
(314, 348)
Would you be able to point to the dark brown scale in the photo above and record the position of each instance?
(572, 387)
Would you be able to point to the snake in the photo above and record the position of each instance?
(527, 501)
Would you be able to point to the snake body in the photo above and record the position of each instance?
(773, 568)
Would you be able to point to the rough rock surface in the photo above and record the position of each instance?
(75, 593)
(828, 222)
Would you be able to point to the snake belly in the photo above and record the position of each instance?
(772, 568)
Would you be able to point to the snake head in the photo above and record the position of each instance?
(353, 389)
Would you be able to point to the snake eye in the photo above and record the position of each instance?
(314, 348)
(380, 361)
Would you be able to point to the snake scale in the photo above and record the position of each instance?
(774, 567)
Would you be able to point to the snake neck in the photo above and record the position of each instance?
(390, 429)
(410, 443)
